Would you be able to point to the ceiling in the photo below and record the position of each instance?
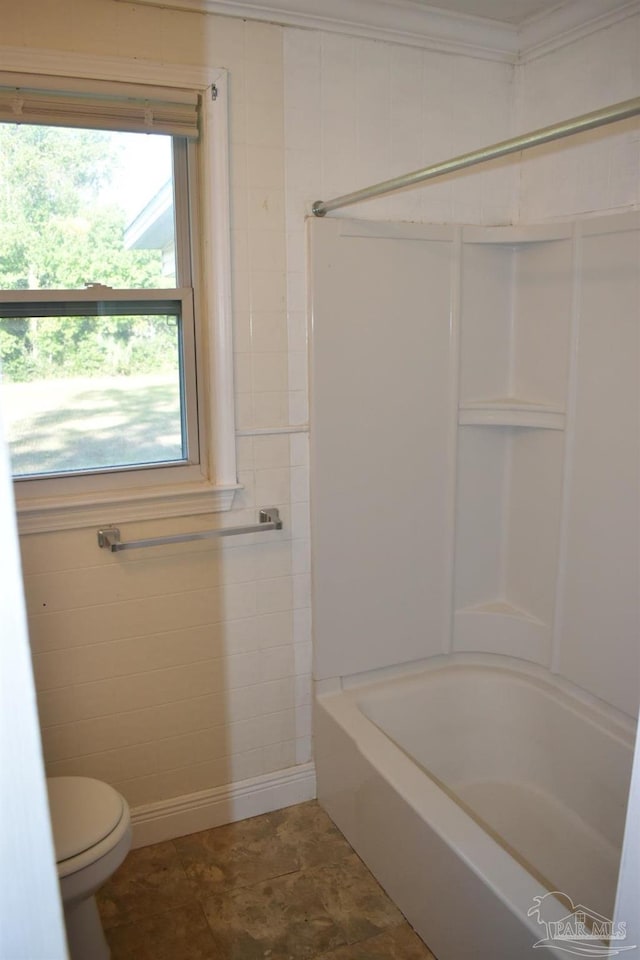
(507, 11)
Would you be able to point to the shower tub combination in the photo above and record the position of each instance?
(472, 786)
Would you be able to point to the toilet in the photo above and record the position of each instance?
(92, 836)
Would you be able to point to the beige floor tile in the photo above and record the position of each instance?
(181, 934)
(311, 832)
(283, 919)
(302, 914)
(262, 848)
(283, 886)
(151, 880)
(354, 898)
(237, 854)
(398, 943)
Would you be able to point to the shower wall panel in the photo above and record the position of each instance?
(383, 371)
(599, 624)
(497, 368)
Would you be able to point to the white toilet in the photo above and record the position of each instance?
(92, 836)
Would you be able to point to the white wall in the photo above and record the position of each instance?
(595, 172)
(217, 689)
(188, 668)
(359, 111)
(598, 622)
(184, 669)
(383, 413)
(546, 516)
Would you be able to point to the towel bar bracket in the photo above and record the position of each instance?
(109, 537)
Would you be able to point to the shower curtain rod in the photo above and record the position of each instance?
(587, 121)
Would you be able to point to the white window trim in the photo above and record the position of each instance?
(216, 395)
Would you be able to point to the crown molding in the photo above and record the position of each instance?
(417, 24)
(569, 22)
(396, 21)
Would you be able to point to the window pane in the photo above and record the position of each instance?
(81, 393)
(85, 206)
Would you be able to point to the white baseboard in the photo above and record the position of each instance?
(179, 816)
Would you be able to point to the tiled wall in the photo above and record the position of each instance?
(187, 668)
(594, 172)
(359, 111)
(166, 674)
(177, 670)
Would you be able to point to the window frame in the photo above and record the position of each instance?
(121, 476)
(145, 493)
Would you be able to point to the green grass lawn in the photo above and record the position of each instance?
(86, 423)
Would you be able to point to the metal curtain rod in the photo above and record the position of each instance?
(588, 121)
(109, 537)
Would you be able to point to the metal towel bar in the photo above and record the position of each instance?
(109, 537)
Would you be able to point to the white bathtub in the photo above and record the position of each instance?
(471, 787)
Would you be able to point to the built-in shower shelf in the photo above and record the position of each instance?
(511, 412)
(499, 627)
(500, 608)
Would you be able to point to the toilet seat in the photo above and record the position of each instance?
(91, 827)
(88, 820)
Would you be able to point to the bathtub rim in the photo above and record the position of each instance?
(383, 682)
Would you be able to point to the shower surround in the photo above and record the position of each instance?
(497, 388)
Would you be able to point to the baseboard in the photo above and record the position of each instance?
(178, 816)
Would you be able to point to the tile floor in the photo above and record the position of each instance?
(283, 886)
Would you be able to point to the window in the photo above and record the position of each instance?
(101, 319)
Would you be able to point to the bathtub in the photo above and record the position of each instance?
(471, 786)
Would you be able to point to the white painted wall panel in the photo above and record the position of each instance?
(374, 110)
(185, 668)
(383, 411)
(436, 104)
(594, 172)
(600, 625)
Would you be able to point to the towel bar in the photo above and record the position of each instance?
(109, 537)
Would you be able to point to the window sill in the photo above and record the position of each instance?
(66, 513)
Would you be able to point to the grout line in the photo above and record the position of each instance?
(163, 633)
(164, 703)
(224, 725)
(194, 766)
(179, 593)
(221, 691)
